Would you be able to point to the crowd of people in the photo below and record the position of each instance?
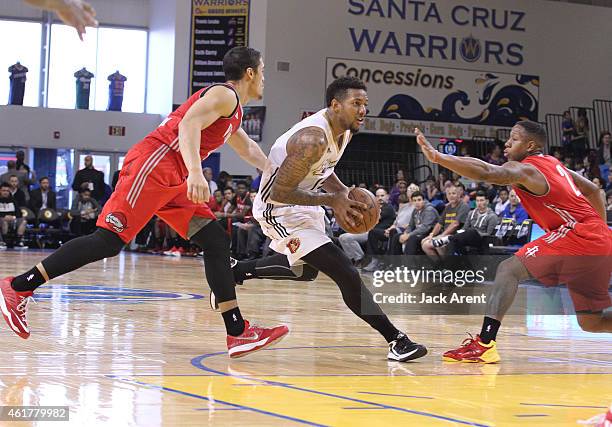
(444, 215)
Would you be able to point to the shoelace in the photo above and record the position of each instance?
(22, 307)
(468, 341)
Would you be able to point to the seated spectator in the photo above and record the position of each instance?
(43, 198)
(592, 165)
(227, 207)
(580, 141)
(208, 175)
(216, 201)
(599, 185)
(423, 219)
(580, 169)
(10, 218)
(609, 200)
(351, 243)
(495, 157)
(224, 180)
(569, 163)
(452, 219)
(501, 202)
(604, 148)
(250, 236)
(480, 222)
(84, 213)
(609, 183)
(16, 192)
(515, 210)
(431, 190)
(22, 175)
(557, 154)
(378, 237)
(398, 189)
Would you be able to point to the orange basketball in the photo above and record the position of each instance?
(371, 214)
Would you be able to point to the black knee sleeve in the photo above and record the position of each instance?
(216, 246)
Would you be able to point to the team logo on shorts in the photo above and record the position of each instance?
(294, 245)
(117, 220)
(532, 251)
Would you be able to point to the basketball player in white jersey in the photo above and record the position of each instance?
(288, 207)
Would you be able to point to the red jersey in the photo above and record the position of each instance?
(211, 138)
(563, 204)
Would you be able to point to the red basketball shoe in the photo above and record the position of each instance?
(14, 307)
(473, 350)
(254, 338)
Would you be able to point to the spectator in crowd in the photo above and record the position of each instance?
(42, 197)
(216, 201)
(351, 243)
(598, 183)
(608, 186)
(452, 219)
(464, 151)
(568, 129)
(501, 202)
(580, 169)
(580, 141)
(250, 236)
(84, 213)
(515, 210)
(442, 179)
(16, 192)
(568, 162)
(399, 188)
(224, 180)
(91, 179)
(423, 219)
(462, 194)
(480, 223)
(609, 201)
(116, 180)
(495, 156)
(227, 208)
(208, 174)
(604, 148)
(22, 177)
(10, 218)
(377, 237)
(557, 154)
(431, 190)
(23, 167)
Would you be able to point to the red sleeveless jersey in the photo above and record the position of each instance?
(211, 138)
(563, 204)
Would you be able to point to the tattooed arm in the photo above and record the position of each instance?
(333, 184)
(304, 149)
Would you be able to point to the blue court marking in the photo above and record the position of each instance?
(563, 406)
(235, 405)
(218, 409)
(365, 408)
(197, 362)
(103, 293)
(532, 415)
(395, 395)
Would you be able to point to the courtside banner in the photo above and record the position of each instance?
(447, 102)
(216, 27)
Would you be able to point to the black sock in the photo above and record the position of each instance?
(234, 323)
(489, 330)
(28, 281)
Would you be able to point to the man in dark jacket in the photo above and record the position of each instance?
(91, 179)
(424, 218)
(10, 217)
(42, 197)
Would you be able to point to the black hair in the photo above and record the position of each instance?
(338, 88)
(237, 60)
(534, 130)
(5, 185)
(43, 178)
(417, 194)
(503, 189)
(242, 183)
(481, 194)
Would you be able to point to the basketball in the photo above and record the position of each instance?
(371, 215)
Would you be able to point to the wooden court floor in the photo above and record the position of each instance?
(131, 341)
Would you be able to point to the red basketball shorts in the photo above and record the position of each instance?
(580, 258)
(150, 183)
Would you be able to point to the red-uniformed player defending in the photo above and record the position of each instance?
(162, 175)
(576, 249)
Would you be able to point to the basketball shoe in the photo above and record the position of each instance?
(402, 349)
(473, 350)
(14, 306)
(254, 338)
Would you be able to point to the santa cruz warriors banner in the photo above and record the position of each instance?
(441, 101)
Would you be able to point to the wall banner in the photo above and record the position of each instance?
(441, 101)
(216, 27)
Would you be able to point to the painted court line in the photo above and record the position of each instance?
(395, 395)
(563, 406)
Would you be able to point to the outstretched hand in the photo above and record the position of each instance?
(428, 150)
(76, 13)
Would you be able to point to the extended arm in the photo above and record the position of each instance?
(509, 173)
(217, 102)
(591, 192)
(247, 149)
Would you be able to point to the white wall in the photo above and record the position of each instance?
(81, 129)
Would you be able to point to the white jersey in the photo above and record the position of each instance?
(318, 173)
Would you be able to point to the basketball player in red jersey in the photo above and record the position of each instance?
(162, 175)
(576, 249)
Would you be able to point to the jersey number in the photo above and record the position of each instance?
(569, 179)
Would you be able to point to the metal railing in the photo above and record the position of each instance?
(603, 117)
(592, 129)
(554, 129)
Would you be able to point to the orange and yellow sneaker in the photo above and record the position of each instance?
(473, 350)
